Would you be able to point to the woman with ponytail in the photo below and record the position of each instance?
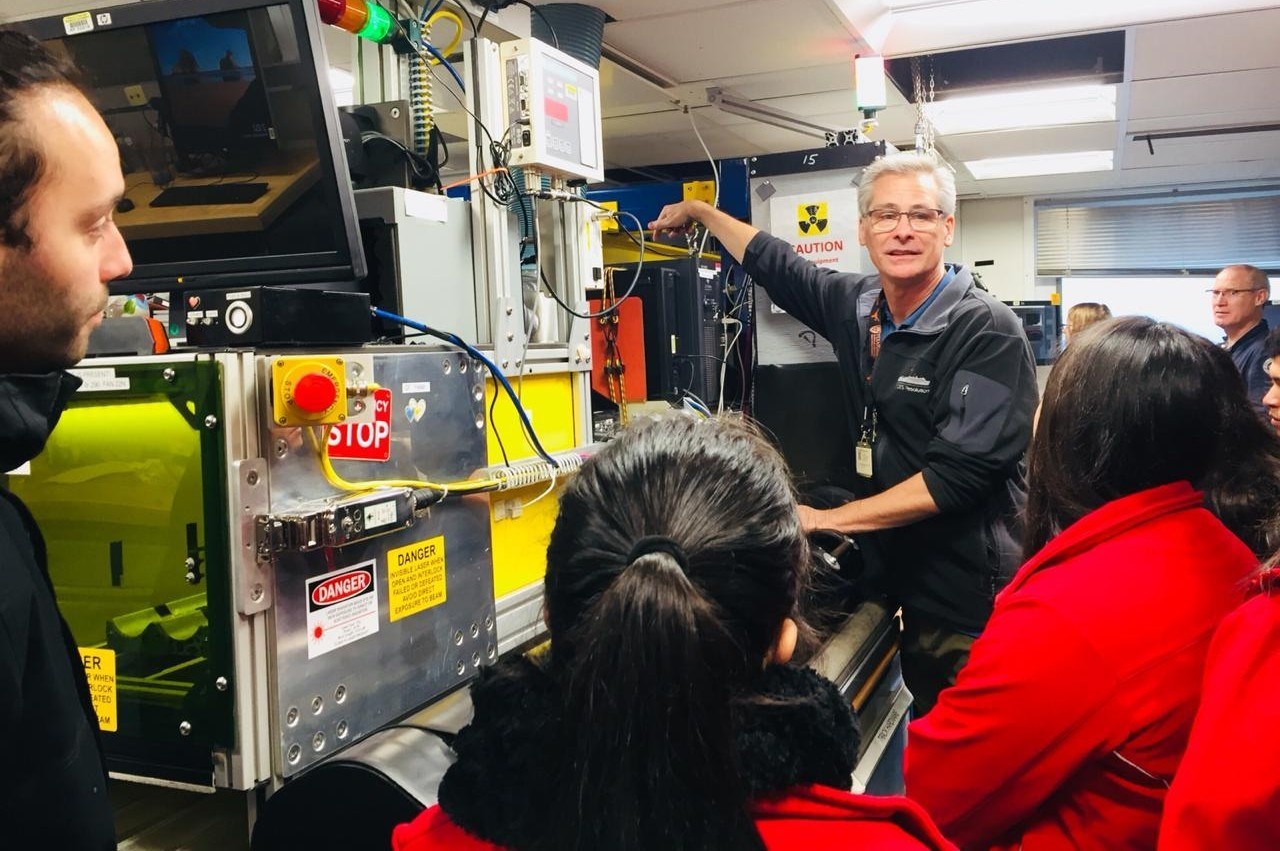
(665, 715)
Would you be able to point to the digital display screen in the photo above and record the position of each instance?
(569, 106)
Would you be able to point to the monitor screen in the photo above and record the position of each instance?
(229, 142)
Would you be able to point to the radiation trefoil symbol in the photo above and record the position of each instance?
(812, 218)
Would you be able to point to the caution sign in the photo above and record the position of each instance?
(100, 671)
(342, 607)
(415, 577)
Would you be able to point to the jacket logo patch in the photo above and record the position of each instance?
(914, 384)
(813, 219)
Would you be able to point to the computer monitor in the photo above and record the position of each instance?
(235, 172)
(211, 92)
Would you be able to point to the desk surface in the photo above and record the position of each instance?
(286, 181)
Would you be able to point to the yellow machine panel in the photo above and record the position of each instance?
(520, 526)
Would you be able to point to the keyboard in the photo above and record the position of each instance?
(210, 193)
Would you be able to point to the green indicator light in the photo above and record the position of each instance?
(379, 25)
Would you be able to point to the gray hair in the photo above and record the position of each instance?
(909, 162)
(1255, 277)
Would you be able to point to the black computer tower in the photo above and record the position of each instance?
(683, 333)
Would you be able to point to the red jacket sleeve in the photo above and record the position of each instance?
(1028, 710)
(433, 831)
(1226, 793)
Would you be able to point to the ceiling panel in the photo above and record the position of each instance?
(1205, 93)
(622, 91)
(1182, 48)
(835, 76)
(950, 25)
(670, 124)
(751, 38)
(630, 10)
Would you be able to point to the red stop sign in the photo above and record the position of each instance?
(368, 441)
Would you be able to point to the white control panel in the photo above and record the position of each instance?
(552, 110)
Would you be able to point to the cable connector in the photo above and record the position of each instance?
(556, 195)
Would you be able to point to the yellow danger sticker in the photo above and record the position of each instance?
(415, 577)
(100, 670)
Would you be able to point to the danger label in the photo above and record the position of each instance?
(415, 578)
(100, 671)
(342, 607)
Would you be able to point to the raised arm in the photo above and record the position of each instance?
(733, 234)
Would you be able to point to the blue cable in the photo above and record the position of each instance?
(445, 63)
(475, 353)
(426, 15)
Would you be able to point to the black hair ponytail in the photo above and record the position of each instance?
(676, 556)
(647, 733)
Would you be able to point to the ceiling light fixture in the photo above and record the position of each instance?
(767, 114)
(1074, 162)
(1009, 110)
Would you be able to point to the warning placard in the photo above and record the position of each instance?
(415, 577)
(100, 670)
(342, 607)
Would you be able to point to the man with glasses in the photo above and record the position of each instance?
(1238, 295)
(940, 387)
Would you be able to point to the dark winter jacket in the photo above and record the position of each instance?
(794, 748)
(954, 396)
(53, 785)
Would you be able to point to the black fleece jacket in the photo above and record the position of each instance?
(53, 784)
(954, 396)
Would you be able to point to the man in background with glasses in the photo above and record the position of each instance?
(1238, 295)
(940, 386)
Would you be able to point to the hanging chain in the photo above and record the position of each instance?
(924, 135)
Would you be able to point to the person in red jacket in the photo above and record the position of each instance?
(1067, 725)
(1226, 793)
(665, 714)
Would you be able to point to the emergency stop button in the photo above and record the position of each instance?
(315, 393)
(308, 390)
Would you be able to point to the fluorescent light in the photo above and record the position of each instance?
(869, 82)
(1045, 107)
(1071, 163)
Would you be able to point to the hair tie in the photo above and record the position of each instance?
(658, 544)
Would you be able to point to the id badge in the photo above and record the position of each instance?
(862, 459)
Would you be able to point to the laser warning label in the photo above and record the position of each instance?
(100, 671)
(342, 607)
(415, 577)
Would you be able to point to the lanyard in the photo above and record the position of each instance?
(869, 419)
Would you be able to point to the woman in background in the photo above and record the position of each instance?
(1066, 726)
(665, 715)
(1081, 316)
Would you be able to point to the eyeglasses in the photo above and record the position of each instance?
(1230, 293)
(883, 221)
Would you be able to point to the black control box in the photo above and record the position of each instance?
(276, 316)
